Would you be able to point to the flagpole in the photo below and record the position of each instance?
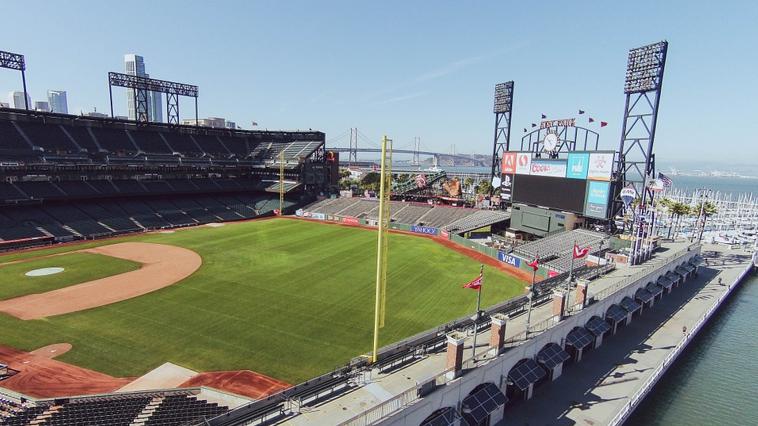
(476, 316)
(530, 296)
(571, 277)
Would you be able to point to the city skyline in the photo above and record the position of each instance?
(431, 75)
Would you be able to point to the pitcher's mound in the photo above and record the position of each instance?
(44, 271)
(52, 351)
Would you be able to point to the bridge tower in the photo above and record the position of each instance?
(352, 155)
(416, 148)
(502, 109)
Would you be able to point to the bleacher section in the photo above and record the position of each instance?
(454, 219)
(40, 138)
(67, 177)
(557, 249)
(162, 408)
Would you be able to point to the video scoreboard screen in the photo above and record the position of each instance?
(579, 183)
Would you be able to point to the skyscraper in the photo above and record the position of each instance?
(135, 65)
(41, 106)
(57, 100)
(16, 100)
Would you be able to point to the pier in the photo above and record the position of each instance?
(614, 379)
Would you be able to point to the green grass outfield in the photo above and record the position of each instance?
(78, 268)
(287, 298)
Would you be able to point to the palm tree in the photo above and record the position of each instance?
(707, 209)
(678, 210)
(468, 183)
(667, 204)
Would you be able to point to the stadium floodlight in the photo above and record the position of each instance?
(644, 68)
(142, 85)
(503, 97)
(15, 61)
(503, 109)
(12, 61)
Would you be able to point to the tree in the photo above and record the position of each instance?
(468, 183)
(706, 209)
(484, 188)
(678, 210)
(371, 181)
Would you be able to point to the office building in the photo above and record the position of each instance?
(135, 65)
(57, 101)
(41, 106)
(16, 100)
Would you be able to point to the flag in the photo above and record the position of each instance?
(475, 284)
(581, 112)
(667, 182)
(603, 123)
(592, 120)
(580, 252)
(534, 125)
(544, 116)
(525, 130)
(535, 264)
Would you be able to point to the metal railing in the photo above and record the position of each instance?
(647, 385)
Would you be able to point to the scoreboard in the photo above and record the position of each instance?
(579, 183)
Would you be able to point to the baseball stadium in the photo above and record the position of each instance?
(180, 274)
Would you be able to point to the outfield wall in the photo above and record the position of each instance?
(509, 259)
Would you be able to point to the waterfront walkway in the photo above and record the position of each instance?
(594, 391)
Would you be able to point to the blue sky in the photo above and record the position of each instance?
(408, 68)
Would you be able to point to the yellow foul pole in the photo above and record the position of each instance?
(381, 261)
(281, 183)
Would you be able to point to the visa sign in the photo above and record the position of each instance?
(507, 258)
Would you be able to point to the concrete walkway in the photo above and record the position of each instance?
(594, 391)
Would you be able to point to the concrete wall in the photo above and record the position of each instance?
(496, 370)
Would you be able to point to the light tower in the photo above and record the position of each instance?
(642, 87)
(502, 109)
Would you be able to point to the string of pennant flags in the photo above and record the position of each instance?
(590, 120)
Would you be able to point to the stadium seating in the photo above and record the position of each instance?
(115, 141)
(68, 177)
(180, 409)
(11, 140)
(165, 408)
(476, 220)
(559, 247)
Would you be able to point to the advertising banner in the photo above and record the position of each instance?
(299, 212)
(551, 274)
(428, 230)
(509, 163)
(350, 220)
(319, 216)
(551, 168)
(597, 199)
(506, 187)
(601, 166)
(523, 163)
(578, 165)
(444, 234)
(507, 258)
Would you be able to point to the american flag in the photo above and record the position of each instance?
(667, 182)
